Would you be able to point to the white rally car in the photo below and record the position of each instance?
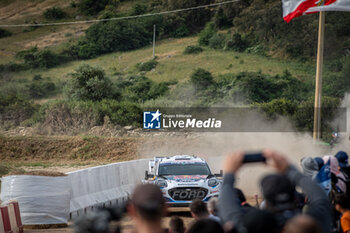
(183, 178)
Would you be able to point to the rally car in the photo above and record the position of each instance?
(183, 178)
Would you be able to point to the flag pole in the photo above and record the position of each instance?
(318, 85)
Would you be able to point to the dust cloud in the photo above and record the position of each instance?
(214, 146)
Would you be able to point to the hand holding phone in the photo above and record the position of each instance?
(254, 158)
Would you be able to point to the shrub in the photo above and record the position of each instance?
(36, 58)
(120, 35)
(54, 13)
(147, 66)
(91, 7)
(67, 117)
(4, 33)
(138, 9)
(236, 43)
(180, 31)
(85, 50)
(201, 79)
(217, 41)
(281, 106)
(193, 49)
(40, 87)
(121, 113)
(207, 33)
(14, 109)
(89, 83)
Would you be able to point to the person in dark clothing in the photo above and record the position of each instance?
(232, 213)
(206, 226)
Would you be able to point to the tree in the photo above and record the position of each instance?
(89, 83)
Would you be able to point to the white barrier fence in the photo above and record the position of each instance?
(53, 200)
(106, 184)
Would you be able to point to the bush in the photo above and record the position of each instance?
(4, 33)
(121, 113)
(14, 109)
(140, 88)
(35, 58)
(207, 33)
(120, 35)
(258, 87)
(67, 117)
(193, 49)
(86, 50)
(236, 43)
(281, 107)
(54, 13)
(217, 41)
(147, 66)
(90, 83)
(201, 79)
(91, 7)
(138, 9)
(40, 88)
(180, 31)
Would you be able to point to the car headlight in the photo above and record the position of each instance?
(213, 182)
(162, 183)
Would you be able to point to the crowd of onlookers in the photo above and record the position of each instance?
(314, 200)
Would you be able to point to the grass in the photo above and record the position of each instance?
(174, 65)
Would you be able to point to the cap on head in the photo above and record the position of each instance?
(278, 191)
(342, 158)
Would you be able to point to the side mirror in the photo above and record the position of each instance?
(221, 174)
(147, 176)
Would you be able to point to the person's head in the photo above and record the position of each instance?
(278, 192)
(342, 158)
(213, 205)
(206, 226)
(302, 224)
(147, 204)
(342, 203)
(199, 209)
(309, 166)
(319, 162)
(176, 225)
(256, 221)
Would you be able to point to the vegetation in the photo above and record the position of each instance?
(4, 33)
(193, 49)
(147, 66)
(54, 13)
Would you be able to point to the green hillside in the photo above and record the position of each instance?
(68, 79)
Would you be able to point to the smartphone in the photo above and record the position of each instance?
(254, 158)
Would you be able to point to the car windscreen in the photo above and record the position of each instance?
(183, 169)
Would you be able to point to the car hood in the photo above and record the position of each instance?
(186, 178)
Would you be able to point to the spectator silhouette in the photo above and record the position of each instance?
(147, 208)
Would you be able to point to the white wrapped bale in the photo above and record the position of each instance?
(42, 199)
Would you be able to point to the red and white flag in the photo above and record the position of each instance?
(338, 5)
(295, 8)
